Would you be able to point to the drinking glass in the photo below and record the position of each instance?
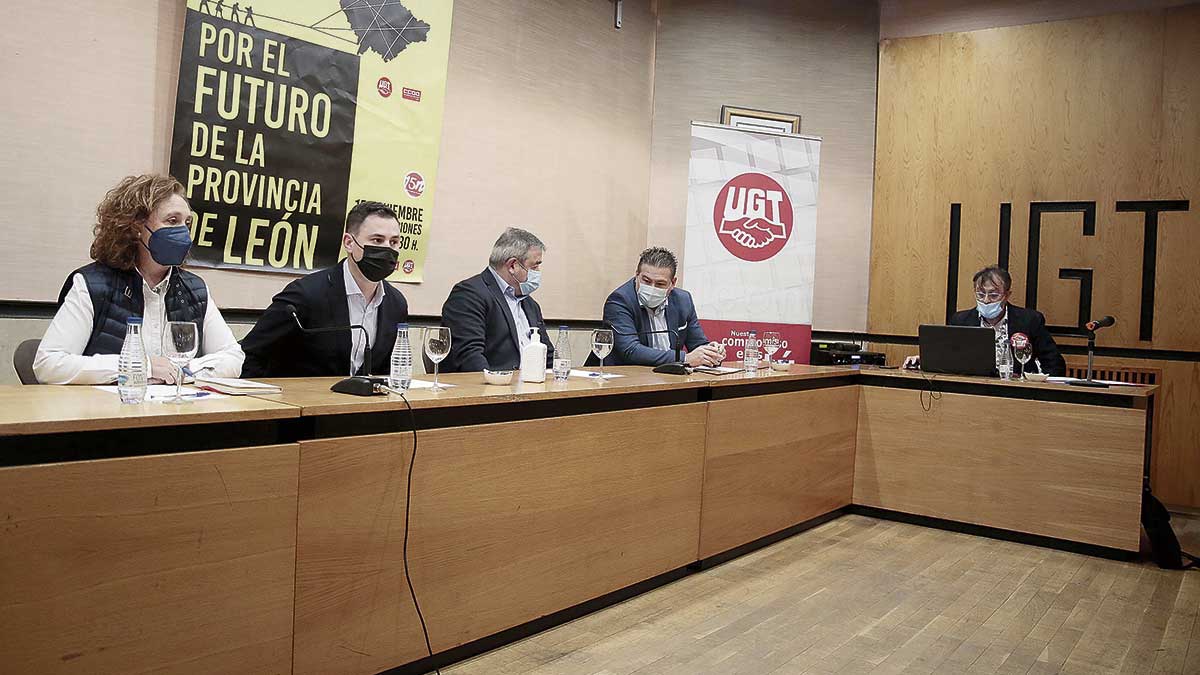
(771, 342)
(1023, 350)
(437, 346)
(602, 345)
(179, 346)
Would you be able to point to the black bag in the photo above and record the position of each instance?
(1164, 545)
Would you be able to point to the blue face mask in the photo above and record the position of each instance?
(169, 245)
(990, 310)
(532, 282)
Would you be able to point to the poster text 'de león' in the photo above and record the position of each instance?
(289, 112)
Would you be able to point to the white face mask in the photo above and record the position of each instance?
(651, 296)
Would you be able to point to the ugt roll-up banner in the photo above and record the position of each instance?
(289, 112)
(750, 241)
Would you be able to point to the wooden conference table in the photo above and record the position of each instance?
(268, 534)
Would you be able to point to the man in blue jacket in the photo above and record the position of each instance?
(650, 302)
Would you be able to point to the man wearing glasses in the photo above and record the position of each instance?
(993, 285)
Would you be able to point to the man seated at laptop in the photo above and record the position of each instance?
(993, 285)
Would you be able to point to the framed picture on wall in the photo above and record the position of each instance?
(760, 120)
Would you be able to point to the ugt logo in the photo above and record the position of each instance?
(753, 216)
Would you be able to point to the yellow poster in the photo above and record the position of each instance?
(289, 112)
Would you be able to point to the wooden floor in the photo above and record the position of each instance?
(859, 595)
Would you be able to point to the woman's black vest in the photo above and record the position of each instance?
(117, 295)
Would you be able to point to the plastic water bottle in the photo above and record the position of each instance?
(1004, 362)
(562, 355)
(400, 376)
(750, 354)
(131, 364)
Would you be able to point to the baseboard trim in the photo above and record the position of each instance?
(996, 533)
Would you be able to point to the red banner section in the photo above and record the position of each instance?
(796, 338)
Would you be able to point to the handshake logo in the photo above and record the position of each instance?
(753, 216)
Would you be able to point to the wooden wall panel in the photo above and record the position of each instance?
(1177, 294)
(1068, 471)
(559, 511)
(1175, 470)
(1100, 109)
(775, 461)
(353, 609)
(1082, 110)
(910, 18)
(509, 522)
(1175, 465)
(180, 563)
(905, 142)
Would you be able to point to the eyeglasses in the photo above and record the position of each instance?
(988, 297)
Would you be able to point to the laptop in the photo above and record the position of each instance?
(958, 350)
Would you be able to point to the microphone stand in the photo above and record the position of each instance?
(676, 368)
(356, 385)
(1089, 382)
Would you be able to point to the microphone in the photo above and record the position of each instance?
(676, 368)
(358, 385)
(1091, 326)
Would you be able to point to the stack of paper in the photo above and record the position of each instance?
(1068, 380)
(236, 386)
(164, 392)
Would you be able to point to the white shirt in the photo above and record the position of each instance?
(514, 308)
(60, 357)
(362, 314)
(658, 321)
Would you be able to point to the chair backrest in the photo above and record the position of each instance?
(23, 361)
(1128, 374)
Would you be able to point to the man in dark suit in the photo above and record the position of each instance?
(490, 314)
(651, 302)
(993, 286)
(351, 292)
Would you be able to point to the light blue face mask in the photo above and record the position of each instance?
(990, 310)
(532, 282)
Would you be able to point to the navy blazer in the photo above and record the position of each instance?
(482, 331)
(629, 321)
(1030, 322)
(275, 347)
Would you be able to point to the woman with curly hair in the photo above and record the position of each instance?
(142, 235)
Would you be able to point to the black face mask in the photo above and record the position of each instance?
(377, 261)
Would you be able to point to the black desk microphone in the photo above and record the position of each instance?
(358, 385)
